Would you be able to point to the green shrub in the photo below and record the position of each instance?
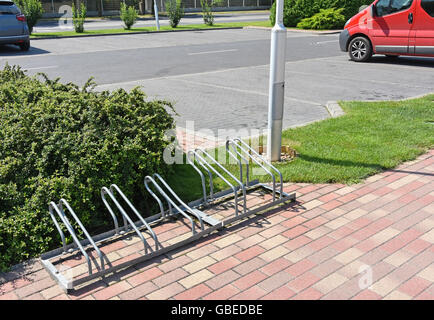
(62, 141)
(78, 17)
(174, 11)
(128, 15)
(296, 10)
(32, 9)
(207, 10)
(325, 19)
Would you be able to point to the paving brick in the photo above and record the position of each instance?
(170, 277)
(252, 293)
(166, 292)
(309, 294)
(138, 291)
(367, 295)
(199, 264)
(144, 276)
(196, 278)
(226, 252)
(277, 280)
(112, 290)
(275, 266)
(194, 293)
(330, 283)
(274, 254)
(300, 267)
(224, 265)
(222, 279)
(250, 253)
(249, 266)
(414, 286)
(223, 293)
(302, 282)
(282, 293)
(249, 280)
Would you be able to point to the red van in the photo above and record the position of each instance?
(392, 28)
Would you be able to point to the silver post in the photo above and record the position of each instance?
(157, 21)
(277, 85)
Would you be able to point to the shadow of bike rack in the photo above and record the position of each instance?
(199, 222)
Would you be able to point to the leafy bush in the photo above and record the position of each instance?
(128, 15)
(325, 19)
(174, 11)
(296, 10)
(207, 10)
(78, 17)
(32, 9)
(62, 141)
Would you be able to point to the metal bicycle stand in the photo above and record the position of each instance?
(194, 213)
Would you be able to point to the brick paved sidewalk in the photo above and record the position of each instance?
(326, 246)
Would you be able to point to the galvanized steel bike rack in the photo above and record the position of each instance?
(193, 212)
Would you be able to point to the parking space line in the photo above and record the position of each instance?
(37, 68)
(209, 52)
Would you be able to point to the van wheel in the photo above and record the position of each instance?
(25, 46)
(360, 49)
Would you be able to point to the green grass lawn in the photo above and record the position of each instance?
(370, 138)
(151, 29)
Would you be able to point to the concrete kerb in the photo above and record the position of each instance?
(326, 32)
(130, 33)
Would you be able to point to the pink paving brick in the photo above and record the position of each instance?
(297, 242)
(294, 232)
(320, 243)
(293, 222)
(367, 295)
(112, 290)
(414, 286)
(252, 293)
(331, 205)
(308, 294)
(224, 265)
(300, 267)
(249, 280)
(275, 266)
(282, 293)
(144, 276)
(249, 253)
(194, 293)
(223, 293)
(302, 282)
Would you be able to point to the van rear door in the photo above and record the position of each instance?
(424, 28)
(391, 25)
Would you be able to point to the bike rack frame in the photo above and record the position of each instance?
(161, 192)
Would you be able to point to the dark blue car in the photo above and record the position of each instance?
(13, 26)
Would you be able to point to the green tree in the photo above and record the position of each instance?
(175, 12)
(128, 15)
(78, 17)
(33, 11)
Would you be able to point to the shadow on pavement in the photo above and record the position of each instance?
(12, 50)
(404, 61)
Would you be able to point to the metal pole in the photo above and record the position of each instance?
(156, 15)
(277, 85)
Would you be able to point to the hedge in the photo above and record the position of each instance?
(325, 19)
(296, 10)
(59, 140)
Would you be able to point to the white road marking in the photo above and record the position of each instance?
(209, 52)
(329, 41)
(37, 68)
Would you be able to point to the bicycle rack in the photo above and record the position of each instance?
(192, 214)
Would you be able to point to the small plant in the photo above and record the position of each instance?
(78, 17)
(207, 10)
(128, 15)
(175, 12)
(325, 19)
(32, 9)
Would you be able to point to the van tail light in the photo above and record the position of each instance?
(21, 17)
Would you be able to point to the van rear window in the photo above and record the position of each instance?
(8, 8)
(428, 6)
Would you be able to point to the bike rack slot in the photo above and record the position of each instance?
(171, 206)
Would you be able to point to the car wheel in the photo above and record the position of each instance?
(360, 49)
(25, 46)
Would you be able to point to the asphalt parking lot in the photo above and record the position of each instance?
(219, 78)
